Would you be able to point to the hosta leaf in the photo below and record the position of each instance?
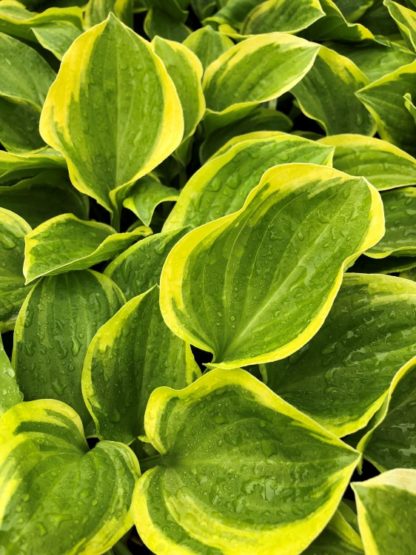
(386, 506)
(327, 95)
(260, 119)
(342, 376)
(255, 286)
(383, 164)
(223, 183)
(186, 71)
(353, 10)
(57, 496)
(391, 441)
(175, 9)
(159, 23)
(409, 105)
(204, 8)
(143, 128)
(405, 19)
(17, 165)
(339, 537)
(12, 283)
(207, 44)
(334, 26)
(257, 69)
(231, 477)
(10, 393)
(98, 10)
(138, 268)
(282, 15)
(44, 196)
(25, 78)
(389, 265)
(57, 36)
(233, 12)
(376, 60)
(54, 328)
(146, 195)
(384, 100)
(400, 213)
(123, 366)
(67, 243)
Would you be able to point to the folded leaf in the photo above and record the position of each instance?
(98, 10)
(143, 128)
(405, 19)
(400, 214)
(334, 26)
(231, 477)
(10, 393)
(257, 69)
(12, 283)
(391, 441)
(185, 69)
(22, 93)
(67, 243)
(222, 184)
(122, 367)
(159, 23)
(146, 195)
(282, 15)
(207, 44)
(327, 95)
(353, 10)
(53, 330)
(57, 496)
(260, 119)
(386, 506)
(343, 375)
(255, 286)
(409, 105)
(17, 165)
(383, 164)
(138, 268)
(384, 100)
(44, 196)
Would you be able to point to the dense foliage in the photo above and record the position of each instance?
(207, 277)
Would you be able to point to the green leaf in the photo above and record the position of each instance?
(343, 375)
(57, 36)
(222, 184)
(159, 23)
(353, 10)
(25, 78)
(108, 150)
(231, 477)
(390, 442)
(282, 15)
(12, 283)
(257, 69)
(340, 537)
(16, 165)
(138, 268)
(327, 95)
(255, 286)
(54, 328)
(207, 44)
(409, 105)
(10, 393)
(123, 366)
(384, 100)
(66, 243)
(405, 19)
(98, 10)
(146, 195)
(334, 26)
(57, 496)
(376, 60)
(386, 505)
(44, 196)
(400, 214)
(186, 71)
(260, 119)
(233, 13)
(383, 164)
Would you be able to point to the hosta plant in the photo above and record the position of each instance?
(207, 277)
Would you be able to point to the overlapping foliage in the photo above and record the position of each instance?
(207, 277)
